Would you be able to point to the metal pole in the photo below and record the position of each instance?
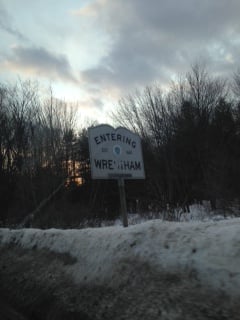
(123, 201)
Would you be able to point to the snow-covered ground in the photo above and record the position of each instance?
(153, 269)
(198, 212)
(211, 249)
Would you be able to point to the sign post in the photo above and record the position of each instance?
(116, 154)
(123, 203)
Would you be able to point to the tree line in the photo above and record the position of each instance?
(45, 178)
(191, 139)
(36, 136)
(191, 149)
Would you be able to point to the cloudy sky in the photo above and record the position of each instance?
(96, 51)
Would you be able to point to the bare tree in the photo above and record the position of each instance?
(204, 91)
(236, 83)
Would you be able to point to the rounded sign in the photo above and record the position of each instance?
(115, 153)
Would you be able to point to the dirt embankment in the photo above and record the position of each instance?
(36, 286)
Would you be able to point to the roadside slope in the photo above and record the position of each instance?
(176, 270)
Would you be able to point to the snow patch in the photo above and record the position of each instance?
(211, 249)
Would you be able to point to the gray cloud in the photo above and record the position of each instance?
(41, 61)
(6, 25)
(153, 39)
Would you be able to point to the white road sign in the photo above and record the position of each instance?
(115, 153)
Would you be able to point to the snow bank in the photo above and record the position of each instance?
(211, 249)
